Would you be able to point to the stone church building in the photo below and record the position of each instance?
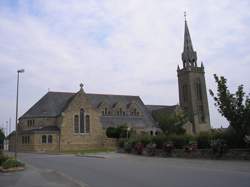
(62, 121)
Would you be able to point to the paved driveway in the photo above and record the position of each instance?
(121, 170)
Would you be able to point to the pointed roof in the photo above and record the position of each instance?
(188, 47)
(189, 56)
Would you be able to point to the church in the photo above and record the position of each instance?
(62, 121)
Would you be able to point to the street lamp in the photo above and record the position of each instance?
(16, 141)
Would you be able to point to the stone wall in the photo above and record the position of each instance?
(38, 122)
(77, 141)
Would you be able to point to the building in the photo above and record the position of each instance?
(62, 121)
(192, 87)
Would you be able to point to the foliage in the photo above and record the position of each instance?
(233, 139)
(204, 140)
(2, 137)
(160, 140)
(139, 148)
(179, 141)
(117, 132)
(235, 107)
(2, 159)
(219, 147)
(11, 163)
(170, 123)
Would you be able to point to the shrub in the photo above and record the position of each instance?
(179, 141)
(144, 139)
(117, 132)
(2, 159)
(139, 148)
(11, 163)
(160, 140)
(204, 140)
(112, 132)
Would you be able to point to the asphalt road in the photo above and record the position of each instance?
(121, 170)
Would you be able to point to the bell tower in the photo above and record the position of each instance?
(192, 87)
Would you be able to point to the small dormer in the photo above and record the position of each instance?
(119, 109)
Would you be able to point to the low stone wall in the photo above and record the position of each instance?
(110, 143)
(232, 154)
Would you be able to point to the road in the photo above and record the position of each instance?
(121, 170)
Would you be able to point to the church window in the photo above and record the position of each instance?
(87, 124)
(25, 139)
(76, 124)
(120, 111)
(81, 121)
(44, 139)
(103, 113)
(123, 113)
(151, 133)
(50, 139)
(30, 123)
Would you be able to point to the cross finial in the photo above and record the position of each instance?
(185, 15)
(81, 86)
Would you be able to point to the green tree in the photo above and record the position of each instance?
(2, 137)
(235, 107)
(171, 123)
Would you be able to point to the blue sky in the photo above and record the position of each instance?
(127, 47)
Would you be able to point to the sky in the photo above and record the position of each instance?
(127, 47)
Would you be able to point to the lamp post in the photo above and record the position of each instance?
(128, 129)
(16, 140)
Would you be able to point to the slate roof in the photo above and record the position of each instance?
(53, 104)
(50, 105)
(165, 108)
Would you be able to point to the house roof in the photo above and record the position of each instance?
(53, 104)
(165, 108)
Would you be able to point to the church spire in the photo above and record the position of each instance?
(189, 56)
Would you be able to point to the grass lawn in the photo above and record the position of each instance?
(89, 151)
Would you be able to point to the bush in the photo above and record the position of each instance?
(204, 140)
(179, 141)
(112, 132)
(139, 148)
(160, 140)
(11, 163)
(117, 132)
(232, 139)
(2, 159)
(144, 139)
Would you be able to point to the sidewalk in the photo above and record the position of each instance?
(34, 177)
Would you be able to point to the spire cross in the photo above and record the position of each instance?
(185, 15)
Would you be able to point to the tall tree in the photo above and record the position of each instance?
(2, 137)
(235, 107)
(170, 123)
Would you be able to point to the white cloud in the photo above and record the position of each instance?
(122, 47)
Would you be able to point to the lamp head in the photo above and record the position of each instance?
(20, 71)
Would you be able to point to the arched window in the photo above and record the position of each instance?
(81, 121)
(76, 124)
(44, 139)
(87, 124)
(50, 139)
